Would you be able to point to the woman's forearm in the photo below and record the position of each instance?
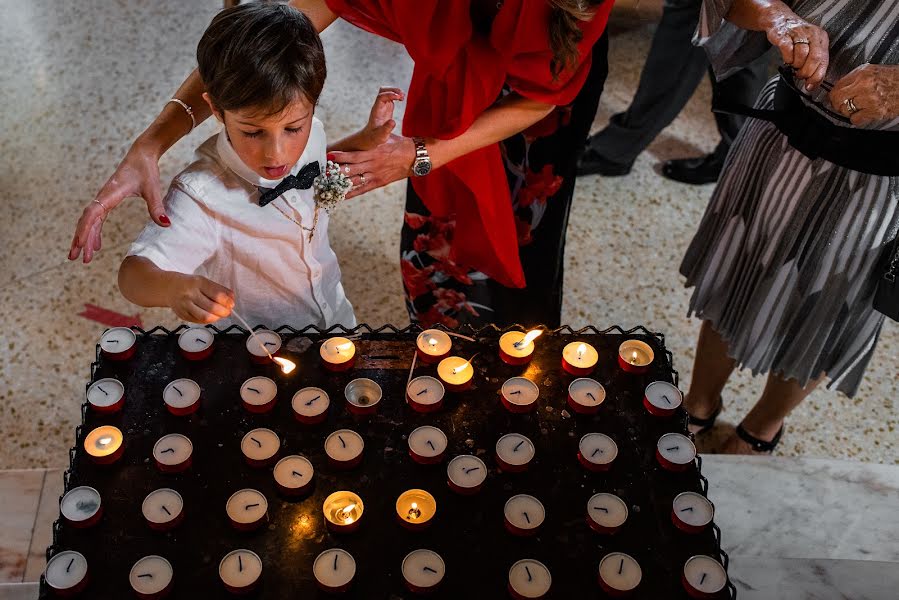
(757, 15)
(317, 11)
(173, 122)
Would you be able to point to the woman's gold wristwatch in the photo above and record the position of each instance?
(421, 166)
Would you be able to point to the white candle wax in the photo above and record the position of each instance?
(172, 449)
(294, 472)
(676, 448)
(587, 392)
(66, 570)
(520, 391)
(181, 393)
(258, 391)
(620, 571)
(103, 393)
(334, 568)
(515, 449)
(607, 510)
(530, 578)
(705, 574)
(195, 339)
(162, 506)
(310, 402)
(80, 504)
(344, 445)
(240, 569)
(423, 568)
(246, 506)
(598, 448)
(427, 441)
(263, 337)
(663, 395)
(693, 509)
(151, 575)
(455, 370)
(260, 444)
(433, 342)
(337, 350)
(580, 355)
(117, 340)
(425, 390)
(524, 512)
(466, 471)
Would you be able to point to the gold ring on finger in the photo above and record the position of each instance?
(362, 179)
(850, 106)
(801, 41)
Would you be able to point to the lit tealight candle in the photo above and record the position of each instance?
(466, 474)
(240, 571)
(433, 346)
(334, 570)
(118, 343)
(263, 338)
(260, 447)
(293, 475)
(529, 580)
(514, 452)
(579, 359)
(635, 356)
(344, 449)
(675, 452)
(182, 397)
(423, 570)
(151, 577)
(619, 574)
(343, 511)
(519, 395)
(597, 451)
(415, 509)
(173, 453)
(81, 507)
(427, 445)
(606, 513)
(662, 399)
(106, 396)
(310, 405)
(692, 512)
(196, 343)
(517, 347)
(66, 573)
(338, 354)
(425, 394)
(456, 373)
(163, 509)
(258, 394)
(247, 510)
(105, 444)
(585, 396)
(523, 515)
(704, 577)
(362, 396)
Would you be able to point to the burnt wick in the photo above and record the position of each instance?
(201, 340)
(175, 387)
(517, 446)
(467, 471)
(269, 344)
(239, 563)
(336, 556)
(592, 397)
(431, 444)
(665, 398)
(150, 575)
(429, 569)
(70, 565)
(100, 387)
(527, 518)
(690, 508)
(530, 577)
(602, 508)
(621, 566)
(673, 448)
(166, 510)
(252, 389)
(597, 450)
(702, 580)
(297, 474)
(424, 391)
(172, 450)
(249, 506)
(515, 392)
(313, 400)
(258, 443)
(341, 441)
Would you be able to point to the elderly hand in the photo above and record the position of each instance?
(868, 94)
(371, 169)
(802, 45)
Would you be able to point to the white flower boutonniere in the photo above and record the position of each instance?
(331, 187)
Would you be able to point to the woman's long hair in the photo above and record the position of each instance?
(564, 33)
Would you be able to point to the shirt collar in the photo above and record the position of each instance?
(233, 161)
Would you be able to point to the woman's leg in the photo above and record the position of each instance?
(711, 370)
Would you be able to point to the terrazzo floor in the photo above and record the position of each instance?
(82, 79)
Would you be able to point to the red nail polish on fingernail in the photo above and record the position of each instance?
(330, 156)
(164, 219)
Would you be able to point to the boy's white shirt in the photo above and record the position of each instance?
(219, 231)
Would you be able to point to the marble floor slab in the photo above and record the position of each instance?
(763, 578)
(20, 495)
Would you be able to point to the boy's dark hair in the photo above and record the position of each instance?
(261, 55)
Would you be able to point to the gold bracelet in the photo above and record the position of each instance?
(188, 110)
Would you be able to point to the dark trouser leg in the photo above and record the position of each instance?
(743, 88)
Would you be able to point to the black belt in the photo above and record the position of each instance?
(870, 151)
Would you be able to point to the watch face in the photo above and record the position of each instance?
(422, 167)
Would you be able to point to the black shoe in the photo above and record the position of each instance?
(702, 169)
(592, 162)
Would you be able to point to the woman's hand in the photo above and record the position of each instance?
(802, 45)
(868, 94)
(371, 169)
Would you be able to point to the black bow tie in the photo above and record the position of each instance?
(301, 181)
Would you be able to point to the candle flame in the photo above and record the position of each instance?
(432, 341)
(581, 351)
(634, 358)
(414, 506)
(347, 513)
(531, 336)
(105, 441)
(287, 366)
(346, 346)
(461, 367)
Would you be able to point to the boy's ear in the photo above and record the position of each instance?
(215, 111)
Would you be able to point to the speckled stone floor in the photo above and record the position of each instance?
(82, 79)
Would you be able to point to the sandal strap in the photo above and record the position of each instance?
(708, 422)
(757, 444)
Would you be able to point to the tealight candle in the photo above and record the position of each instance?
(344, 449)
(173, 453)
(260, 447)
(163, 509)
(105, 444)
(106, 396)
(362, 396)
(514, 452)
(517, 347)
(619, 574)
(423, 570)
(293, 475)
(427, 445)
(338, 354)
(334, 570)
(597, 451)
(118, 343)
(466, 474)
(66, 573)
(529, 579)
(196, 343)
(433, 346)
(456, 373)
(579, 359)
(519, 395)
(415, 509)
(662, 399)
(425, 394)
(523, 515)
(258, 394)
(675, 452)
(247, 510)
(635, 356)
(263, 338)
(240, 571)
(182, 397)
(310, 405)
(343, 511)
(606, 513)
(585, 396)
(704, 577)
(151, 577)
(81, 507)
(692, 512)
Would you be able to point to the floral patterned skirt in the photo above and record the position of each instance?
(540, 165)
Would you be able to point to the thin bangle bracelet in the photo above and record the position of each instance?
(188, 110)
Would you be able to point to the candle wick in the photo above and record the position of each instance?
(591, 396)
(530, 578)
(270, 343)
(597, 450)
(201, 340)
(424, 391)
(297, 474)
(429, 569)
(166, 510)
(690, 508)
(702, 580)
(239, 563)
(341, 440)
(168, 450)
(665, 398)
(150, 575)
(112, 341)
(313, 400)
(672, 448)
(602, 508)
(336, 556)
(249, 506)
(252, 389)
(526, 517)
(258, 443)
(70, 565)
(175, 387)
(468, 471)
(515, 392)
(621, 566)
(517, 446)
(100, 387)
(431, 444)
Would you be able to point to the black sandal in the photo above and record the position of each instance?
(757, 444)
(708, 422)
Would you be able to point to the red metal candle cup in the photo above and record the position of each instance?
(662, 399)
(514, 453)
(432, 346)
(597, 452)
(691, 512)
(61, 579)
(182, 397)
(343, 512)
(310, 405)
(427, 445)
(635, 357)
(523, 515)
(247, 510)
(585, 396)
(240, 571)
(106, 396)
(519, 395)
(675, 452)
(532, 579)
(196, 343)
(606, 513)
(579, 359)
(456, 374)
(466, 474)
(619, 575)
(294, 475)
(163, 509)
(704, 578)
(260, 447)
(118, 343)
(338, 354)
(105, 445)
(334, 570)
(344, 448)
(81, 507)
(160, 574)
(425, 394)
(415, 509)
(261, 344)
(423, 579)
(173, 453)
(362, 396)
(510, 353)
(258, 395)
